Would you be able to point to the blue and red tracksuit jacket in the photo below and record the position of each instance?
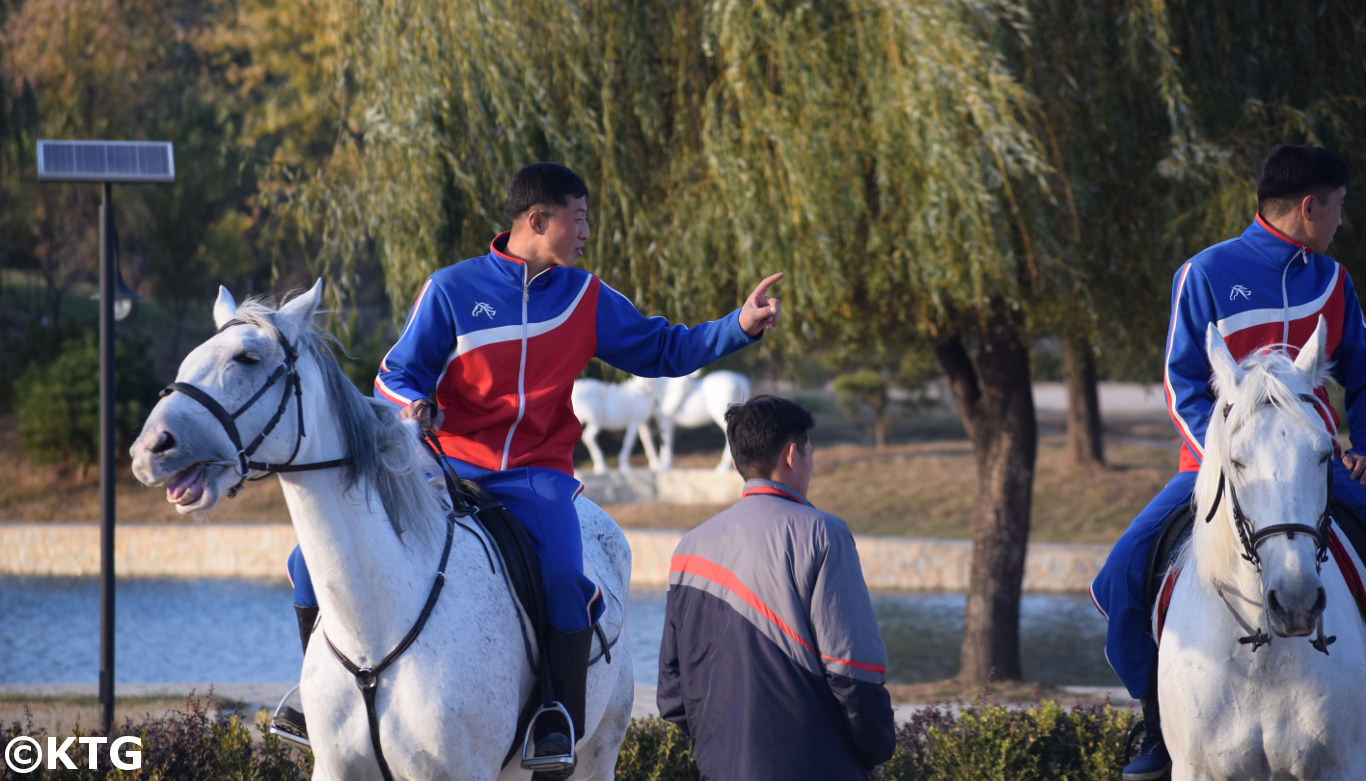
(1261, 289)
(500, 353)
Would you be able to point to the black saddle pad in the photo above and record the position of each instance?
(1176, 529)
(514, 547)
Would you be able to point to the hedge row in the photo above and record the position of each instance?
(974, 742)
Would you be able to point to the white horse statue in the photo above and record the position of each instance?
(1238, 701)
(375, 534)
(691, 402)
(625, 407)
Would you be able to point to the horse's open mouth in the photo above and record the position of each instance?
(189, 489)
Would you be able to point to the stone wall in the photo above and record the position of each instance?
(225, 550)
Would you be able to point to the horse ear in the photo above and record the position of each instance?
(1312, 361)
(1226, 370)
(224, 308)
(296, 316)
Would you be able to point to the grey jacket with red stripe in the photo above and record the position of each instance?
(771, 659)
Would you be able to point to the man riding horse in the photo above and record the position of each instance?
(1264, 290)
(497, 341)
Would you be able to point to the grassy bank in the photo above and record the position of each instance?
(924, 486)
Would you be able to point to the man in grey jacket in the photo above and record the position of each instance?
(771, 659)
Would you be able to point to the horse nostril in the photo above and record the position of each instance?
(164, 443)
(1272, 602)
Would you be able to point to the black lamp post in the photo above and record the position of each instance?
(106, 162)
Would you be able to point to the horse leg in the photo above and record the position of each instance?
(725, 464)
(647, 444)
(666, 444)
(590, 441)
(628, 442)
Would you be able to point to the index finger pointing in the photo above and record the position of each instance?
(762, 287)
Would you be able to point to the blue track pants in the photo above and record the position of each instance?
(543, 501)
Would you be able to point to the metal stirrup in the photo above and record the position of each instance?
(554, 762)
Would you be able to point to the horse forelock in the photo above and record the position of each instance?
(1270, 378)
(380, 447)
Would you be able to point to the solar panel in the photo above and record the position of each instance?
(105, 161)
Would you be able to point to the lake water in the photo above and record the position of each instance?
(243, 631)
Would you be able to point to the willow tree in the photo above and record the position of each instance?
(1105, 132)
(876, 151)
(1234, 86)
(879, 152)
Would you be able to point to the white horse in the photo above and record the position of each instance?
(1238, 701)
(624, 407)
(691, 402)
(373, 532)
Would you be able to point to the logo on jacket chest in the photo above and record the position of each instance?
(483, 308)
(1240, 292)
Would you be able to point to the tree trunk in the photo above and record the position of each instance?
(1084, 434)
(996, 404)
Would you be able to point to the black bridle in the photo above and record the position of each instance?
(289, 372)
(1252, 537)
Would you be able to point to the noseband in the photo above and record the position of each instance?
(289, 372)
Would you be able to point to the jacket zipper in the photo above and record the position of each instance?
(521, 371)
(1285, 297)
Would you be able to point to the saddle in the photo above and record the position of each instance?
(1176, 530)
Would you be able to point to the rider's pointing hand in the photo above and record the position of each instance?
(760, 311)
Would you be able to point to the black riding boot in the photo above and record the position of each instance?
(567, 655)
(288, 722)
(307, 618)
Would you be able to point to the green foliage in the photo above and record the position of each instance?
(58, 401)
(873, 151)
(985, 741)
(655, 750)
(990, 741)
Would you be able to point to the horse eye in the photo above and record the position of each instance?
(1323, 459)
(247, 357)
(1239, 465)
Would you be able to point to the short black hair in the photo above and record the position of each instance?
(1292, 171)
(542, 183)
(760, 428)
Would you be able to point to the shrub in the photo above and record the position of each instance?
(203, 741)
(1044, 742)
(655, 750)
(990, 741)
